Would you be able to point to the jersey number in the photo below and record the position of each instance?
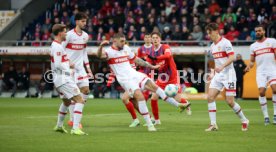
(231, 85)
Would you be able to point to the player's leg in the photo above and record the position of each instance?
(262, 82)
(212, 108)
(138, 95)
(180, 98)
(230, 94)
(155, 108)
(78, 110)
(71, 113)
(151, 86)
(61, 116)
(130, 107)
(273, 87)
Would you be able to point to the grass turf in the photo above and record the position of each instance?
(26, 125)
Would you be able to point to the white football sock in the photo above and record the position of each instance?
(274, 103)
(77, 115)
(61, 115)
(84, 96)
(263, 104)
(212, 108)
(237, 109)
(144, 111)
(162, 94)
(71, 110)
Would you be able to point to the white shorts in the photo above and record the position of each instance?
(68, 90)
(81, 78)
(264, 79)
(138, 81)
(221, 81)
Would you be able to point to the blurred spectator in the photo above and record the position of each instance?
(201, 6)
(10, 79)
(253, 22)
(23, 82)
(167, 33)
(232, 34)
(36, 42)
(229, 13)
(262, 15)
(45, 83)
(239, 66)
(273, 14)
(197, 33)
(177, 35)
(244, 35)
(214, 7)
(242, 23)
(185, 33)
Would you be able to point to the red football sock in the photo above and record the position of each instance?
(182, 100)
(146, 95)
(131, 110)
(154, 109)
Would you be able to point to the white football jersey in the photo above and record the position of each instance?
(264, 53)
(220, 51)
(60, 64)
(75, 46)
(118, 60)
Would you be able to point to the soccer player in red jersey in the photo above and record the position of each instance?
(167, 73)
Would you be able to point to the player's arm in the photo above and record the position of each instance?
(167, 54)
(87, 64)
(252, 60)
(143, 63)
(231, 56)
(101, 53)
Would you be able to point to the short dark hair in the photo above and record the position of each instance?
(80, 16)
(147, 33)
(58, 28)
(260, 25)
(212, 27)
(156, 33)
(118, 35)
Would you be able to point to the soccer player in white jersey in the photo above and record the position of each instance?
(75, 46)
(63, 81)
(224, 77)
(118, 56)
(264, 52)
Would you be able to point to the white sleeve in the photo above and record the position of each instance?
(251, 51)
(66, 41)
(274, 44)
(229, 48)
(131, 54)
(57, 56)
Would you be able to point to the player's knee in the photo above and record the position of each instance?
(85, 90)
(138, 95)
(210, 98)
(262, 93)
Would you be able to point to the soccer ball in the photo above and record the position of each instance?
(171, 90)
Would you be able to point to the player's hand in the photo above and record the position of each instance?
(72, 65)
(105, 42)
(90, 74)
(247, 69)
(211, 75)
(152, 57)
(154, 67)
(218, 69)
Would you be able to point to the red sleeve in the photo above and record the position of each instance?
(139, 52)
(167, 53)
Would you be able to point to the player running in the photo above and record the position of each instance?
(225, 77)
(118, 56)
(167, 73)
(75, 47)
(64, 83)
(264, 52)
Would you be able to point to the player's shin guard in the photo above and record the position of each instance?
(162, 94)
(61, 115)
(263, 104)
(154, 108)
(237, 109)
(274, 103)
(145, 112)
(71, 110)
(212, 108)
(77, 115)
(131, 110)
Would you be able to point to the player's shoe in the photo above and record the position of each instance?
(70, 123)
(60, 129)
(152, 120)
(134, 123)
(189, 111)
(245, 125)
(156, 122)
(274, 120)
(213, 127)
(266, 121)
(78, 132)
(183, 106)
(151, 128)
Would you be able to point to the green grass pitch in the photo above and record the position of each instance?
(26, 126)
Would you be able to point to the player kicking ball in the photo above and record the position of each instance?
(118, 56)
(264, 52)
(224, 77)
(64, 83)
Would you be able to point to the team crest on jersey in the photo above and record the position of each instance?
(219, 48)
(267, 44)
(58, 53)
